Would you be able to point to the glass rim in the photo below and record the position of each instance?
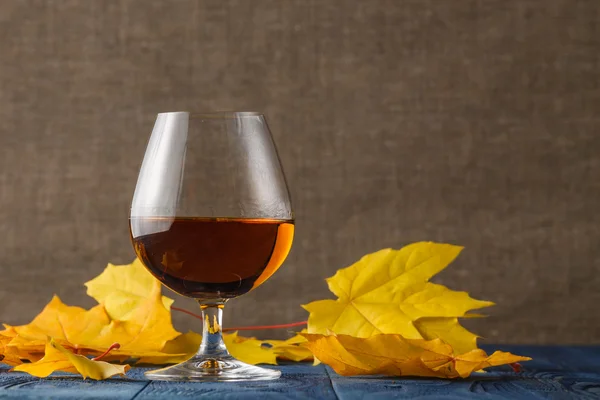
(216, 114)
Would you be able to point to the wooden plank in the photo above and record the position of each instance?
(555, 373)
(491, 385)
(22, 386)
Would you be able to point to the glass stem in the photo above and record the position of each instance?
(212, 331)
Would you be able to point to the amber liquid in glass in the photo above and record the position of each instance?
(211, 258)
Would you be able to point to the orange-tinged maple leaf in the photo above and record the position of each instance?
(57, 358)
(8, 355)
(389, 354)
(389, 292)
(92, 331)
(74, 326)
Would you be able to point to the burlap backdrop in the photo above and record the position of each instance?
(469, 122)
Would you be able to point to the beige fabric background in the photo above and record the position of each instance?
(469, 122)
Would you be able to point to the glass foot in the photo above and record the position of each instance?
(200, 368)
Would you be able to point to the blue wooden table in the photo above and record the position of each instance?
(554, 373)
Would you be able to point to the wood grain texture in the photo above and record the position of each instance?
(472, 122)
(555, 373)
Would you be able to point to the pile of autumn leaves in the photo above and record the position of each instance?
(388, 319)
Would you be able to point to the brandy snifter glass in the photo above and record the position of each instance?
(211, 218)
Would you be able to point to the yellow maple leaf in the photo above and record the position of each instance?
(393, 355)
(450, 330)
(184, 343)
(389, 292)
(123, 288)
(176, 350)
(290, 350)
(149, 325)
(57, 358)
(249, 350)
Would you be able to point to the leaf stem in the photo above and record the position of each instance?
(183, 310)
(258, 327)
(245, 328)
(111, 348)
